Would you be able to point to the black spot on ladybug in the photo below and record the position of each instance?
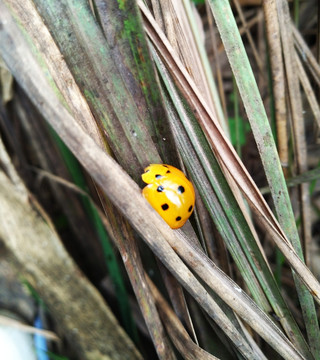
(158, 176)
(165, 166)
(165, 207)
(160, 188)
(168, 172)
(190, 208)
(178, 218)
(180, 189)
(147, 170)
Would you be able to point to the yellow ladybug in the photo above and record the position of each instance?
(169, 192)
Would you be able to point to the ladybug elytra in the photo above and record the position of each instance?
(169, 192)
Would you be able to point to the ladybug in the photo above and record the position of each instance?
(169, 192)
